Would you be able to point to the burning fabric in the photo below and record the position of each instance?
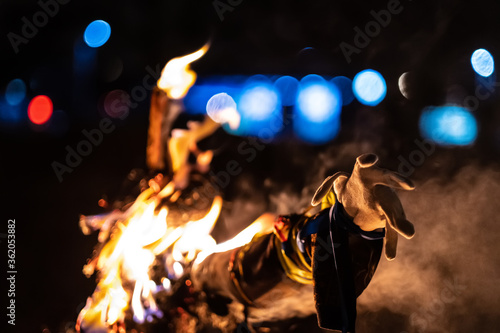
(334, 252)
(159, 268)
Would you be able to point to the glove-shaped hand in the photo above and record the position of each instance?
(368, 197)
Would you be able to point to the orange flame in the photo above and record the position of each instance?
(177, 77)
(263, 224)
(137, 237)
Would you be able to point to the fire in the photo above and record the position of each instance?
(177, 77)
(130, 242)
(262, 225)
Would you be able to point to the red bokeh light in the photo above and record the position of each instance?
(40, 109)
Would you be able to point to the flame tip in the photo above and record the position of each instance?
(177, 77)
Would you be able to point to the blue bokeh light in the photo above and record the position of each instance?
(258, 102)
(287, 87)
(318, 100)
(97, 33)
(344, 84)
(448, 125)
(260, 108)
(482, 62)
(312, 78)
(369, 87)
(317, 111)
(15, 92)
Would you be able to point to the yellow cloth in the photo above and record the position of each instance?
(328, 200)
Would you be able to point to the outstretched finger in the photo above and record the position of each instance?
(392, 179)
(394, 213)
(400, 224)
(391, 242)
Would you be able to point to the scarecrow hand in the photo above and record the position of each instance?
(368, 197)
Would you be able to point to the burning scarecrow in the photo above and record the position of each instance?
(158, 266)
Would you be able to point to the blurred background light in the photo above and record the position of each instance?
(222, 109)
(482, 62)
(369, 87)
(15, 92)
(317, 111)
(40, 109)
(218, 103)
(287, 87)
(198, 96)
(312, 78)
(318, 100)
(258, 102)
(97, 33)
(448, 125)
(117, 103)
(260, 109)
(344, 84)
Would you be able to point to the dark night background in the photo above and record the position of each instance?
(432, 39)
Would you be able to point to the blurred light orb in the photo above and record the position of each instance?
(258, 102)
(117, 103)
(312, 78)
(40, 109)
(369, 87)
(317, 110)
(482, 62)
(287, 87)
(15, 92)
(448, 125)
(259, 108)
(318, 100)
(221, 108)
(97, 33)
(344, 84)
(219, 102)
(198, 96)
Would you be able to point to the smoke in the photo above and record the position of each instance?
(445, 279)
